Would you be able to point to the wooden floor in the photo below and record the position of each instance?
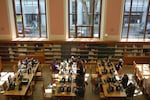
(89, 95)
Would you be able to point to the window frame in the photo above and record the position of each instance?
(129, 16)
(22, 20)
(77, 26)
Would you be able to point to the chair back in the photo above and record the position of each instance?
(5, 86)
(9, 79)
(43, 88)
(130, 90)
(14, 68)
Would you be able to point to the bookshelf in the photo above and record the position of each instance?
(51, 52)
(10, 51)
(4, 52)
(1, 63)
(146, 49)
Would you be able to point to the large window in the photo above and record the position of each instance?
(84, 18)
(136, 21)
(30, 18)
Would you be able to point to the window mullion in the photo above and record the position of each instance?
(99, 28)
(93, 13)
(15, 19)
(147, 17)
(129, 19)
(39, 17)
(69, 18)
(22, 18)
(76, 19)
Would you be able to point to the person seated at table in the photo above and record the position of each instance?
(55, 66)
(119, 66)
(69, 79)
(124, 80)
(25, 61)
(130, 90)
(98, 85)
(61, 89)
(110, 88)
(19, 63)
(79, 91)
(72, 60)
(80, 68)
(79, 80)
(104, 70)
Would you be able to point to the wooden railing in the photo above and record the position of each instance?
(128, 60)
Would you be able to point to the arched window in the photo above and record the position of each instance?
(136, 21)
(30, 18)
(84, 18)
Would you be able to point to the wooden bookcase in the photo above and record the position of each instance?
(1, 63)
(10, 51)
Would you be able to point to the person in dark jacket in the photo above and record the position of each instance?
(130, 89)
(124, 80)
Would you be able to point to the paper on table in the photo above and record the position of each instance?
(48, 90)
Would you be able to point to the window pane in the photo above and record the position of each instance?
(84, 31)
(30, 14)
(42, 6)
(148, 27)
(96, 31)
(84, 12)
(31, 24)
(126, 18)
(19, 23)
(85, 18)
(30, 6)
(72, 31)
(96, 18)
(134, 20)
(18, 8)
(28, 18)
(43, 25)
(125, 26)
(138, 18)
(72, 6)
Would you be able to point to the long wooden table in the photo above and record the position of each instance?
(54, 92)
(117, 94)
(21, 93)
(114, 94)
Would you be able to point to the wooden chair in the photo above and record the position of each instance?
(5, 86)
(102, 96)
(9, 79)
(130, 91)
(140, 79)
(33, 84)
(38, 74)
(43, 91)
(14, 67)
(45, 95)
(29, 94)
(93, 84)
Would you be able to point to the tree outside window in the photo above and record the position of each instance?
(84, 18)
